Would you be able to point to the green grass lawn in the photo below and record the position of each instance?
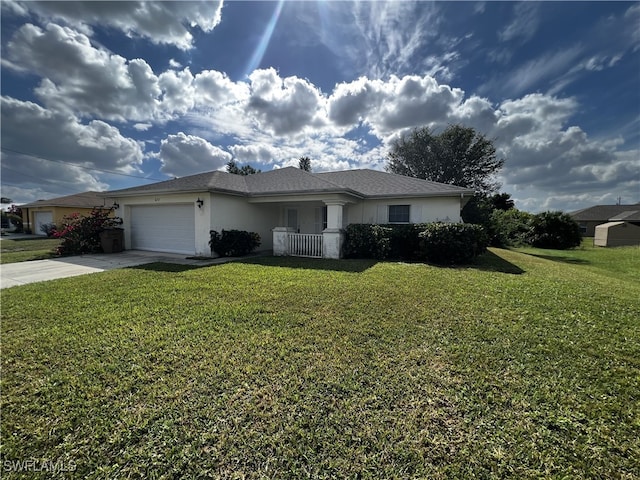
(21, 250)
(520, 367)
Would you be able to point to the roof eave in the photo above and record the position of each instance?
(467, 193)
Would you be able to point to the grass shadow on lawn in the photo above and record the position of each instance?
(167, 267)
(491, 262)
(553, 258)
(342, 265)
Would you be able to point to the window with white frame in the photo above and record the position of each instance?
(399, 213)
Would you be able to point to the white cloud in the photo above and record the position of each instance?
(177, 91)
(160, 22)
(57, 153)
(82, 79)
(29, 128)
(142, 127)
(525, 23)
(396, 104)
(284, 106)
(183, 154)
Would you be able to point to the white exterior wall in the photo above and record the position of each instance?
(422, 210)
(229, 212)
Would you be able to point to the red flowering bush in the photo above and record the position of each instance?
(81, 234)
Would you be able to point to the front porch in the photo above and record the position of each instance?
(289, 241)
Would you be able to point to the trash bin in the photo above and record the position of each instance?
(112, 240)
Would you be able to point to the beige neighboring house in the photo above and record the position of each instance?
(590, 218)
(42, 212)
(295, 212)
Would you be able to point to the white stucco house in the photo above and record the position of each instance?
(295, 212)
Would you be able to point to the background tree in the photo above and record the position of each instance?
(232, 167)
(14, 214)
(305, 164)
(458, 156)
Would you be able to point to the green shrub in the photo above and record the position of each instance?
(405, 241)
(510, 227)
(81, 234)
(452, 243)
(364, 240)
(555, 230)
(233, 243)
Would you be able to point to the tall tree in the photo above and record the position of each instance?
(458, 156)
(305, 164)
(232, 167)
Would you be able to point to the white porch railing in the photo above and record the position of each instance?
(305, 245)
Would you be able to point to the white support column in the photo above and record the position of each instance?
(281, 240)
(333, 236)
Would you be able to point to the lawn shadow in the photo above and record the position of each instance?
(342, 265)
(571, 260)
(166, 267)
(491, 262)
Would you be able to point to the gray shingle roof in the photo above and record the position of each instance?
(600, 213)
(627, 216)
(291, 180)
(374, 183)
(79, 200)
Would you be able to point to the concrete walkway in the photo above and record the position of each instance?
(21, 273)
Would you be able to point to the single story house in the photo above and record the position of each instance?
(295, 212)
(42, 212)
(590, 218)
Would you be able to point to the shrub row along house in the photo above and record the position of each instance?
(295, 212)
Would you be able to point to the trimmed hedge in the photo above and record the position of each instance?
(435, 242)
(364, 240)
(453, 243)
(233, 243)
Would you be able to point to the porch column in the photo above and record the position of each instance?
(333, 236)
(281, 240)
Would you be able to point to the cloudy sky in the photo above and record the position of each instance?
(108, 95)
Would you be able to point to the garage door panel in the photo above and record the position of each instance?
(42, 218)
(163, 228)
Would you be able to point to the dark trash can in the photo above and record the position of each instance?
(112, 240)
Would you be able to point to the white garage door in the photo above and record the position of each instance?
(163, 228)
(42, 218)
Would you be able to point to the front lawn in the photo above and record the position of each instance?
(21, 250)
(520, 367)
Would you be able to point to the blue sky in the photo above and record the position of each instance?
(99, 95)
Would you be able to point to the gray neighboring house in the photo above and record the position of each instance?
(295, 212)
(590, 218)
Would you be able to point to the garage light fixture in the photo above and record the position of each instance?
(200, 202)
(115, 205)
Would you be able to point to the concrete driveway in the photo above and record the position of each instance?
(21, 273)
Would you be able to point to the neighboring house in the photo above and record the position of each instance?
(41, 212)
(293, 211)
(590, 218)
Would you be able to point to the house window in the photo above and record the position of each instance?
(398, 213)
